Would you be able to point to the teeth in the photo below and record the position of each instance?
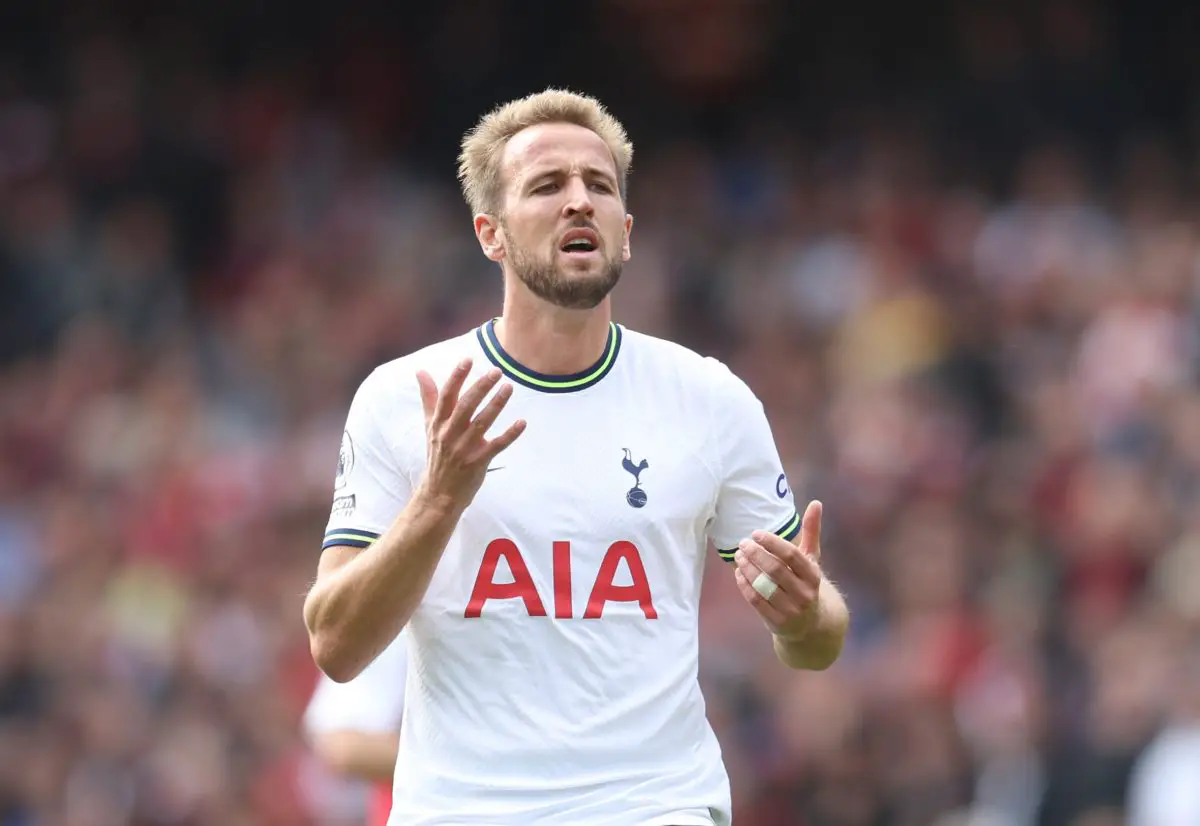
(579, 244)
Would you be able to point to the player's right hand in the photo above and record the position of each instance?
(458, 450)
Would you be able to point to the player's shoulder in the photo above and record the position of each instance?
(701, 372)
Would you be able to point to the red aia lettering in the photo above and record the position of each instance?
(487, 588)
(562, 580)
(603, 590)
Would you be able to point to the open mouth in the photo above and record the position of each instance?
(579, 242)
(579, 246)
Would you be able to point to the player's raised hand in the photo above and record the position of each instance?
(781, 580)
(458, 450)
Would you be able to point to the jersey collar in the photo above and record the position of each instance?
(542, 381)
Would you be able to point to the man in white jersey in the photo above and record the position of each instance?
(532, 501)
(354, 727)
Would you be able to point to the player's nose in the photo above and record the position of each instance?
(579, 200)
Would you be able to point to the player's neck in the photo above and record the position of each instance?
(552, 340)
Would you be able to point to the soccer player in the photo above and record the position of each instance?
(354, 727)
(532, 501)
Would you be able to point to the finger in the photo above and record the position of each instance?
(470, 400)
(809, 540)
(794, 592)
(803, 565)
(448, 398)
(765, 609)
(505, 439)
(429, 394)
(487, 416)
(784, 597)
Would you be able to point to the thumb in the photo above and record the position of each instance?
(429, 394)
(809, 539)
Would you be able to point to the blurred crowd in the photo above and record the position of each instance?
(988, 375)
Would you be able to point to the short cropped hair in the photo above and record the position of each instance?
(483, 146)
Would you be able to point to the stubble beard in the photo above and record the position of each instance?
(571, 291)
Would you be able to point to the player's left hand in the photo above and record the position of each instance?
(781, 580)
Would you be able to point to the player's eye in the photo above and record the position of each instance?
(545, 189)
(600, 186)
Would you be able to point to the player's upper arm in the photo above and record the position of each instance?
(334, 557)
(371, 485)
(754, 493)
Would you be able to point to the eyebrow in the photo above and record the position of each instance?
(588, 171)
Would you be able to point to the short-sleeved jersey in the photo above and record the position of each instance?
(554, 658)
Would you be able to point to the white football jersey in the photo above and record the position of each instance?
(553, 661)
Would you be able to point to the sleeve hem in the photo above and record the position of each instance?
(789, 530)
(350, 537)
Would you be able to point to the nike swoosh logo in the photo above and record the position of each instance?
(489, 470)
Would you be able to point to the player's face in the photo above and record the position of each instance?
(563, 229)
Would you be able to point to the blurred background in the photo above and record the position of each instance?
(954, 246)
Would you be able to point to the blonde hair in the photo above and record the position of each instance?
(483, 146)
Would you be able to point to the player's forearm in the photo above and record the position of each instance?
(361, 755)
(355, 611)
(822, 644)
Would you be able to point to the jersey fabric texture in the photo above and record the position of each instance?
(553, 661)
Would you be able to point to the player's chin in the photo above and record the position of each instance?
(583, 290)
(579, 273)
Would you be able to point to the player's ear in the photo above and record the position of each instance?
(625, 253)
(490, 235)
